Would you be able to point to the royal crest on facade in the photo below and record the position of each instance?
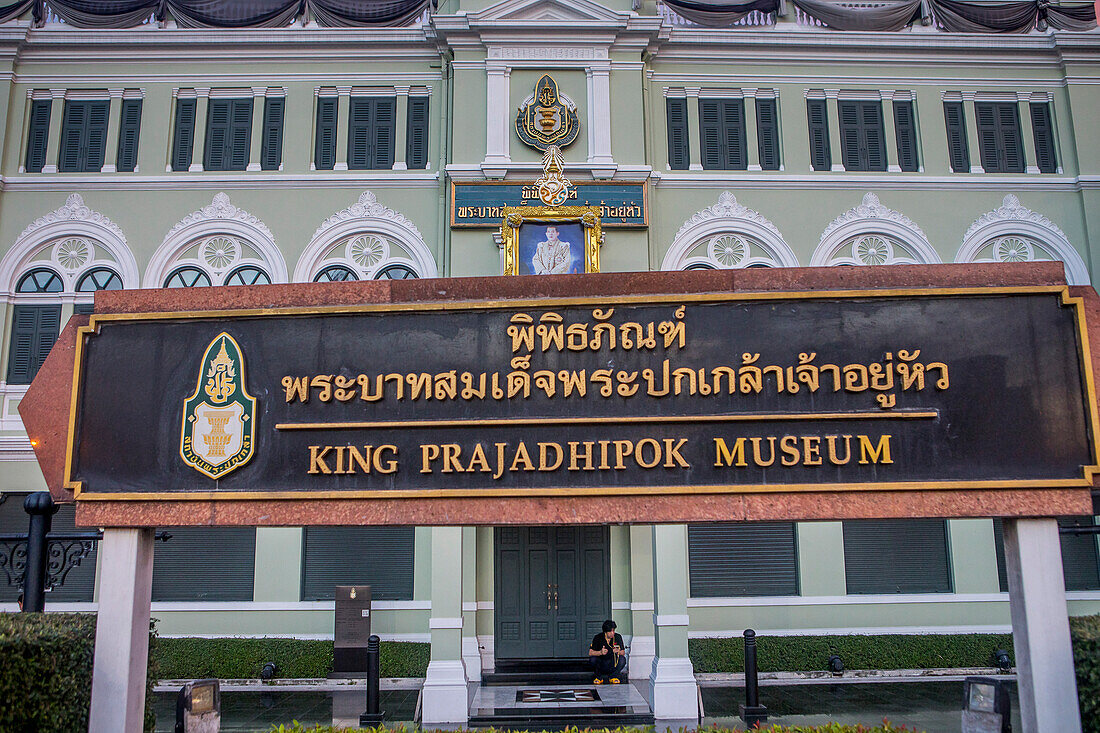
(546, 119)
(219, 418)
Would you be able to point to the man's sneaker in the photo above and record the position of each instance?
(598, 681)
(615, 681)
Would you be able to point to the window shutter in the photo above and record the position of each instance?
(1043, 129)
(957, 147)
(416, 133)
(95, 136)
(711, 139)
(1009, 139)
(905, 130)
(385, 127)
(33, 333)
(360, 133)
(849, 135)
(821, 158)
(271, 151)
(217, 132)
(767, 133)
(128, 134)
(74, 116)
(987, 137)
(381, 557)
(205, 564)
(733, 137)
(239, 140)
(184, 136)
(896, 556)
(733, 559)
(1080, 563)
(38, 135)
(872, 137)
(677, 122)
(324, 152)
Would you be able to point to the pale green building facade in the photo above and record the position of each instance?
(275, 155)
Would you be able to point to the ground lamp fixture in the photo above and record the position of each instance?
(198, 707)
(985, 705)
(1002, 660)
(836, 665)
(269, 671)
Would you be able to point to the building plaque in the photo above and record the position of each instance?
(482, 204)
(693, 393)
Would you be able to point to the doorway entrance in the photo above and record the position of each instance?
(552, 590)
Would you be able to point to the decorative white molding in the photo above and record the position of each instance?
(870, 219)
(73, 219)
(1013, 220)
(724, 218)
(366, 217)
(220, 217)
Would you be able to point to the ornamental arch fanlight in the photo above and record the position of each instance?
(366, 241)
(219, 244)
(1015, 233)
(68, 254)
(725, 236)
(873, 234)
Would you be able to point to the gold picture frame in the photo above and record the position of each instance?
(527, 228)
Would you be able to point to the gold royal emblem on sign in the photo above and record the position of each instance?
(219, 419)
(546, 119)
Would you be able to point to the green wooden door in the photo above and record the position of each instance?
(552, 590)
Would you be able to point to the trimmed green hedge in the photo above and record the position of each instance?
(46, 672)
(811, 653)
(190, 658)
(1086, 660)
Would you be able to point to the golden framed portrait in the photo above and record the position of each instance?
(551, 240)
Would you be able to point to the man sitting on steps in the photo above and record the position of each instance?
(608, 655)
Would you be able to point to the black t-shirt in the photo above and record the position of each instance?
(599, 641)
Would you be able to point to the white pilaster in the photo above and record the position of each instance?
(1027, 133)
(400, 142)
(695, 152)
(497, 111)
(832, 119)
(889, 131)
(53, 141)
(752, 139)
(444, 697)
(259, 96)
(343, 122)
(674, 693)
(198, 149)
(970, 120)
(122, 632)
(114, 120)
(1040, 627)
(599, 121)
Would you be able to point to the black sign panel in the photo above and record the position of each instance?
(677, 394)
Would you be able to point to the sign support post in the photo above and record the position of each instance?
(122, 631)
(445, 698)
(1040, 626)
(674, 691)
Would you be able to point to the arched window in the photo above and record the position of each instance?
(227, 245)
(40, 280)
(872, 234)
(727, 236)
(99, 278)
(1014, 233)
(366, 241)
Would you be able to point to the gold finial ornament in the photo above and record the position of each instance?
(553, 186)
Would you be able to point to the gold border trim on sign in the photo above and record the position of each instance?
(1074, 302)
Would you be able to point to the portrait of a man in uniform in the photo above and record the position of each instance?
(551, 249)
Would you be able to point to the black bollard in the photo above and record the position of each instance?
(41, 508)
(752, 712)
(373, 716)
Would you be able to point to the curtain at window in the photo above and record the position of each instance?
(104, 13)
(719, 13)
(234, 13)
(884, 15)
(391, 13)
(1069, 17)
(11, 11)
(961, 16)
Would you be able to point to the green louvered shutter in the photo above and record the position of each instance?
(1043, 130)
(183, 138)
(95, 136)
(710, 134)
(271, 150)
(905, 130)
(360, 133)
(742, 559)
(416, 133)
(767, 133)
(33, 333)
(1080, 561)
(896, 556)
(861, 136)
(38, 134)
(83, 136)
(128, 135)
(324, 152)
(957, 146)
(205, 564)
(821, 158)
(999, 137)
(239, 141)
(385, 132)
(381, 557)
(217, 132)
(722, 134)
(74, 116)
(676, 114)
